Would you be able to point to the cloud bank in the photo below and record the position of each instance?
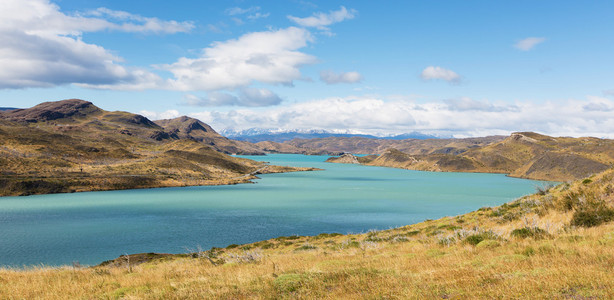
(454, 117)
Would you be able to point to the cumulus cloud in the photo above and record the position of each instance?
(322, 20)
(529, 43)
(152, 115)
(41, 47)
(249, 97)
(434, 73)
(331, 77)
(573, 117)
(468, 104)
(267, 57)
(598, 104)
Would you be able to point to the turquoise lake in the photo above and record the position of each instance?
(95, 226)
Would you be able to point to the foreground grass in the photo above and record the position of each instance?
(557, 244)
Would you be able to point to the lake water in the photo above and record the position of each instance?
(96, 226)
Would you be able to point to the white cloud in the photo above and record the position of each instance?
(258, 15)
(468, 104)
(571, 117)
(253, 13)
(322, 20)
(233, 11)
(143, 24)
(250, 97)
(169, 114)
(528, 43)
(432, 72)
(331, 77)
(267, 57)
(42, 47)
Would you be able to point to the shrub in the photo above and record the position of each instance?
(305, 247)
(290, 282)
(488, 244)
(529, 232)
(474, 239)
(590, 217)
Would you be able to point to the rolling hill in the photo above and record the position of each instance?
(522, 154)
(72, 145)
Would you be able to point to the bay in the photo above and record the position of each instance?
(92, 227)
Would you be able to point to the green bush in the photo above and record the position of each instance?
(474, 239)
(590, 217)
(529, 232)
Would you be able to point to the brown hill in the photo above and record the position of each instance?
(363, 145)
(49, 111)
(81, 147)
(523, 154)
(194, 129)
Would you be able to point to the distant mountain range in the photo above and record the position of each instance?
(7, 108)
(255, 135)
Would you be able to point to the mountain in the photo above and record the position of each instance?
(522, 154)
(256, 135)
(7, 108)
(72, 145)
(193, 129)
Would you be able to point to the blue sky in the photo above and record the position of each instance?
(461, 68)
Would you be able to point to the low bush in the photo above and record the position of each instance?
(593, 216)
(529, 232)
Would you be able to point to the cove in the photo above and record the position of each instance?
(92, 227)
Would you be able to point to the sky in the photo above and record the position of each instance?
(449, 68)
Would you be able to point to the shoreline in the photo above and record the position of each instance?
(166, 182)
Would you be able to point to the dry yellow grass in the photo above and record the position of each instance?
(526, 249)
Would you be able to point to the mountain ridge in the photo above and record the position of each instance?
(72, 145)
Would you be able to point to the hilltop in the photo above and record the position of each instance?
(522, 154)
(555, 244)
(73, 145)
(366, 145)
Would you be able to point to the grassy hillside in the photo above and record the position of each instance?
(193, 129)
(72, 145)
(555, 244)
(523, 154)
(363, 145)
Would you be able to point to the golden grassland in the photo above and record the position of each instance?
(555, 244)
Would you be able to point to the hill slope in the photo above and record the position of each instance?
(523, 154)
(193, 129)
(72, 145)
